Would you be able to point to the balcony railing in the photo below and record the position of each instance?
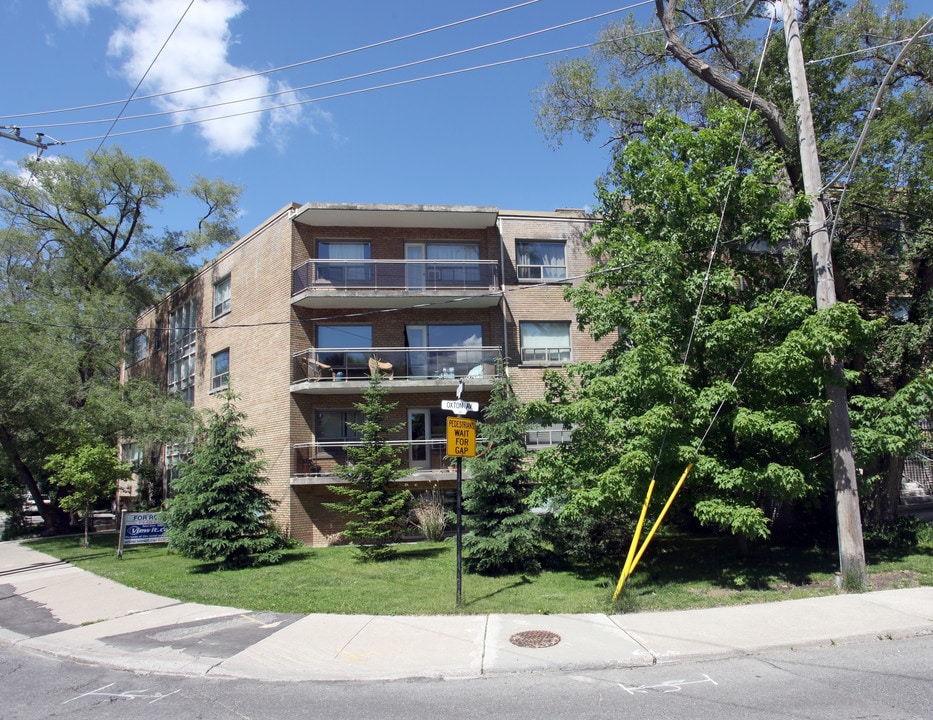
(410, 275)
(342, 364)
(323, 459)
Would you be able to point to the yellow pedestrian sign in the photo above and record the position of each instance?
(461, 437)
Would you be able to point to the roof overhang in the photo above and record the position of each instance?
(465, 217)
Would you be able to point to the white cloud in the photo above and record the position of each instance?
(195, 56)
(75, 11)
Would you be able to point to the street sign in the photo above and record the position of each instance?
(460, 407)
(461, 437)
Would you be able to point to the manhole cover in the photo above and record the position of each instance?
(535, 639)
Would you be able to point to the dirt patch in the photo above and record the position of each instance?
(894, 580)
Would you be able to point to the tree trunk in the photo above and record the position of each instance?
(53, 517)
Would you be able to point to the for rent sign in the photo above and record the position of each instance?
(141, 529)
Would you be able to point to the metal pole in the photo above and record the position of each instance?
(459, 527)
(122, 529)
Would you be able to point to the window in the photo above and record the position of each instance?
(539, 260)
(220, 370)
(543, 436)
(139, 346)
(343, 272)
(335, 425)
(545, 342)
(132, 454)
(457, 263)
(335, 345)
(451, 350)
(182, 345)
(175, 454)
(222, 297)
(899, 309)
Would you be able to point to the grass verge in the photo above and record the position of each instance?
(677, 573)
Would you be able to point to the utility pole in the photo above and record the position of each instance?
(39, 143)
(848, 516)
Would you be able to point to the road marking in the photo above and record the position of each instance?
(127, 695)
(668, 686)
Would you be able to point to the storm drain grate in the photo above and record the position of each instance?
(535, 639)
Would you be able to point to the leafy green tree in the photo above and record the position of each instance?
(503, 535)
(78, 261)
(86, 477)
(218, 511)
(882, 229)
(373, 504)
(716, 362)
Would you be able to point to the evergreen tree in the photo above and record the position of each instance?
(376, 509)
(218, 512)
(503, 535)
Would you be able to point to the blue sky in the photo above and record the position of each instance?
(466, 138)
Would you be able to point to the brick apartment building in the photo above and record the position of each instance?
(298, 313)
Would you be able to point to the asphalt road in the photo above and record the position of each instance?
(883, 680)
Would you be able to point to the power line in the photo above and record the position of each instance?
(372, 88)
(347, 78)
(260, 73)
(341, 316)
(138, 84)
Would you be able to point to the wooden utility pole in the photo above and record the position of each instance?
(848, 517)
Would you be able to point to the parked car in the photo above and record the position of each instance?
(29, 507)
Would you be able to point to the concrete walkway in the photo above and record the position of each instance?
(52, 607)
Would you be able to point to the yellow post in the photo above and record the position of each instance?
(630, 567)
(627, 568)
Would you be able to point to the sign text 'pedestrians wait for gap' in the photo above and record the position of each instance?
(461, 437)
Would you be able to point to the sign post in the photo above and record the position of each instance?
(461, 443)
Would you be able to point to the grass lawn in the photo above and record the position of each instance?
(676, 573)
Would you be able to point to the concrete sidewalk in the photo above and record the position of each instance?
(54, 608)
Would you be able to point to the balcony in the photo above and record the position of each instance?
(317, 463)
(395, 283)
(331, 371)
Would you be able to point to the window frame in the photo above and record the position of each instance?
(551, 355)
(524, 270)
(182, 349)
(347, 416)
(220, 380)
(344, 271)
(139, 346)
(224, 303)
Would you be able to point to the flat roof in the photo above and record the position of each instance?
(404, 216)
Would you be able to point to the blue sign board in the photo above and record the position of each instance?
(142, 528)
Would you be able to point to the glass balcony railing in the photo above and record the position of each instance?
(410, 275)
(323, 459)
(341, 364)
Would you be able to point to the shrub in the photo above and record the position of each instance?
(901, 535)
(430, 516)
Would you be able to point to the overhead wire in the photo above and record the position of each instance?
(281, 68)
(712, 257)
(399, 83)
(358, 76)
(139, 83)
(367, 312)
